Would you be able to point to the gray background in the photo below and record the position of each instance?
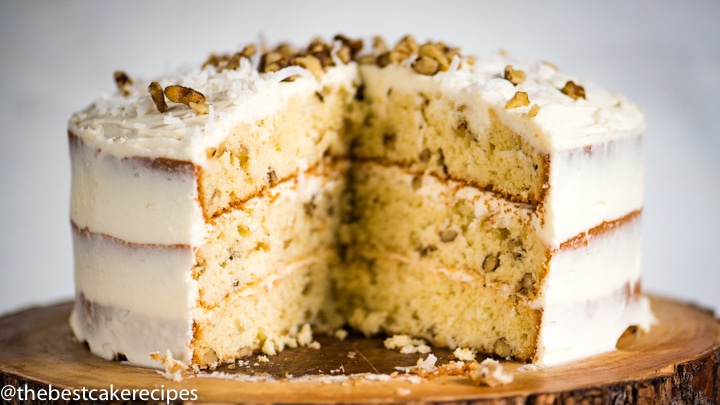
(56, 57)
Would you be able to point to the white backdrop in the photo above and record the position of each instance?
(56, 57)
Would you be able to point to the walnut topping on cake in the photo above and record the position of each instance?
(390, 57)
(534, 110)
(316, 57)
(432, 57)
(513, 76)
(354, 45)
(426, 65)
(185, 95)
(573, 90)
(310, 63)
(407, 45)
(520, 99)
(379, 45)
(158, 97)
(182, 94)
(123, 82)
(436, 52)
(428, 59)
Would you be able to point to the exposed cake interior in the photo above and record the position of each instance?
(405, 191)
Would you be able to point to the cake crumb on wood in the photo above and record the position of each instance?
(491, 373)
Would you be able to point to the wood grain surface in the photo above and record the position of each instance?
(678, 362)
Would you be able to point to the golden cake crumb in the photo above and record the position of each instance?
(407, 344)
(305, 337)
(464, 354)
(491, 373)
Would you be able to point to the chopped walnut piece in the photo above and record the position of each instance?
(527, 284)
(271, 62)
(190, 97)
(199, 108)
(273, 67)
(408, 46)
(156, 92)
(534, 110)
(448, 235)
(286, 50)
(520, 99)
(452, 52)
(318, 45)
(436, 52)
(501, 348)
(123, 82)
(344, 54)
(513, 76)
(379, 45)
(273, 57)
(391, 57)
(185, 95)
(310, 63)
(550, 65)
(231, 63)
(212, 60)
(355, 45)
(367, 60)
(248, 51)
(426, 65)
(573, 90)
(491, 262)
(272, 177)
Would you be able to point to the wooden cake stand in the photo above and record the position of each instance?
(677, 362)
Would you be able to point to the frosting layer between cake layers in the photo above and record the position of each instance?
(145, 220)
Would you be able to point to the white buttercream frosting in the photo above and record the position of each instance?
(130, 126)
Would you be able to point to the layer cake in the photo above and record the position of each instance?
(481, 203)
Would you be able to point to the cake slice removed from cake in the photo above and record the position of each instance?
(480, 203)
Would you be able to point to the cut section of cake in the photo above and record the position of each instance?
(487, 204)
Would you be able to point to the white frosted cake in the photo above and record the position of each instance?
(479, 203)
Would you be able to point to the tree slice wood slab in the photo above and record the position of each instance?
(677, 362)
